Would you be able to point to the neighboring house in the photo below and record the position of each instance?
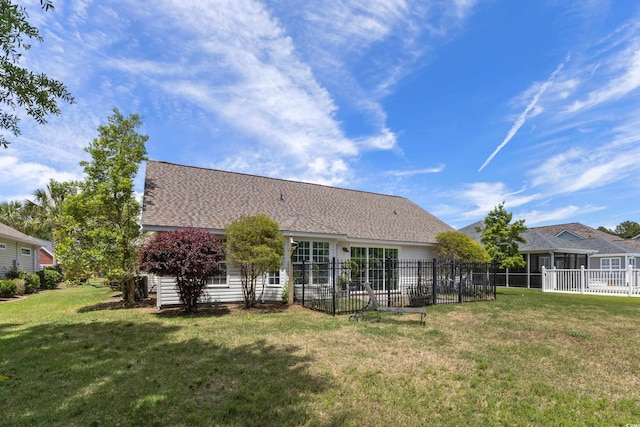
(46, 253)
(564, 246)
(325, 222)
(17, 250)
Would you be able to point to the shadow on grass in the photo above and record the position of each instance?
(123, 373)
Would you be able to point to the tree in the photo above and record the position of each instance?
(190, 255)
(99, 225)
(500, 238)
(628, 229)
(255, 245)
(457, 245)
(36, 94)
(13, 215)
(45, 208)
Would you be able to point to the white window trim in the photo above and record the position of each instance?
(22, 249)
(610, 262)
(3, 246)
(273, 285)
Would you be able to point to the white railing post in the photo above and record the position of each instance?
(629, 279)
(544, 278)
(582, 279)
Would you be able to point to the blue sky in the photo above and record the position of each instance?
(456, 105)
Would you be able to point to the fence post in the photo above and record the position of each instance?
(494, 266)
(582, 279)
(544, 278)
(333, 268)
(434, 284)
(304, 269)
(629, 278)
(387, 273)
(460, 282)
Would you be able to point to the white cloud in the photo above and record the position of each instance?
(557, 215)
(531, 107)
(28, 174)
(623, 77)
(413, 172)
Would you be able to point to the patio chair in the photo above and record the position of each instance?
(373, 304)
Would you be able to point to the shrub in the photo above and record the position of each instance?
(49, 278)
(13, 273)
(190, 255)
(20, 286)
(8, 289)
(32, 283)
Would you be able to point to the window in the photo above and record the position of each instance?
(315, 256)
(378, 266)
(273, 278)
(220, 277)
(610, 263)
(545, 262)
(3, 246)
(25, 251)
(632, 262)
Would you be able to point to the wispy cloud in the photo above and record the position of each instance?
(558, 215)
(413, 172)
(523, 116)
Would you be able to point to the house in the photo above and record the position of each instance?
(17, 250)
(324, 222)
(564, 246)
(46, 253)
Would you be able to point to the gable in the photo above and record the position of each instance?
(186, 196)
(568, 235)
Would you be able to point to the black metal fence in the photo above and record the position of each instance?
(338, 286)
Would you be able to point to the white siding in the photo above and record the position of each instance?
(13, 252)
(167, 295)
(232, 293)
(415, 253)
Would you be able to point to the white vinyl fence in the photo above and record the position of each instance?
(595, 282)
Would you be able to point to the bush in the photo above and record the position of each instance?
(20, 286)
(49, 278)
(13, 273)
(32, 283)
(8, 289)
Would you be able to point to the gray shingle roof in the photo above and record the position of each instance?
(186, 196)
(543, 239)
(15, 235)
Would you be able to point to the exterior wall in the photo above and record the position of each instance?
(595, 261)
(167, 294)
(45, 258)
(12, 252)
(231, 292)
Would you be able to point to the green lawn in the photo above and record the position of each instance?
(68, 358)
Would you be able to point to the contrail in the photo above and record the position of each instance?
(523, 117)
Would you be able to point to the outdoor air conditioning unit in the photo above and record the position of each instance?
(16, 264)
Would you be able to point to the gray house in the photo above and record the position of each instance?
(17, 250)
(325, 222)
(564, 246)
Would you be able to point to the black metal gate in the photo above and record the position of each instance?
(338, 286)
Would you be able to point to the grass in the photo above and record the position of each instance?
(528, 358)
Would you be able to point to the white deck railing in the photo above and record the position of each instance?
(595, 282)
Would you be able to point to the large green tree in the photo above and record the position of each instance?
(34, 93)
(255, 245)
(500, 238)
(99, 225)
(457, 245)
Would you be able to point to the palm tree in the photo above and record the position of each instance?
(12, 213)
(45, 208)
